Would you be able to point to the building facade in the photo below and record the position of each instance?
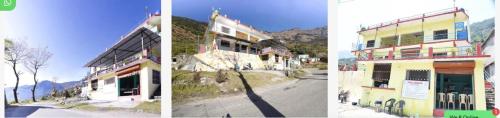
(130, 69)
(426, 60)
(231, 45)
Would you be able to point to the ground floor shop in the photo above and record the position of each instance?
(424, 87)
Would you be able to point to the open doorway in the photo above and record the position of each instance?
(128, 86)
(452, 90)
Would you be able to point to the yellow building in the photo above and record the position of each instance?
(426, 60)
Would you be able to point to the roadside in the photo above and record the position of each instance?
(190, 86)
(305, 97)
(47, 109)
(350, 111)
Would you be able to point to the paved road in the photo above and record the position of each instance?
(306, 97)
(41, 110)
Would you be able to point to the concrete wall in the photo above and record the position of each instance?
(428, 29)
(146, 78)
(351, 81)
(415, 106)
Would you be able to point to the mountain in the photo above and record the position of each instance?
(305, 41)
(186, 32)
(319, 34)
(43, 88)
(480, 30)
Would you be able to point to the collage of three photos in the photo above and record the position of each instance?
(240, 58)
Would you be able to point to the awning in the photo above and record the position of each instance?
(454, 67)
(127, 46)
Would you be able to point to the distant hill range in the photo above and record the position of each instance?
(187, 32)
(480, 30)
(43, 88)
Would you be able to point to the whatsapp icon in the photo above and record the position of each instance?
(7, 5)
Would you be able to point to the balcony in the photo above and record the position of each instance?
(423, 51)
(127, 62)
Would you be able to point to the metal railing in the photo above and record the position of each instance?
(421, 53)
(414, 17)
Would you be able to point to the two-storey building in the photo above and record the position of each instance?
(229, 44)
(130, 69)
(427, 61)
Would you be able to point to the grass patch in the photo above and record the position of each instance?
(150, 107)
(80, 106)
(185, 88)
(319, 65)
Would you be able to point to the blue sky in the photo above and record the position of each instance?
(268, 15)
(75, 31)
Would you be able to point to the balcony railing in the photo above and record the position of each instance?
(120, 64)
(420, 53)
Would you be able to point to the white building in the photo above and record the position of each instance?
(232, 45)
(130, 69)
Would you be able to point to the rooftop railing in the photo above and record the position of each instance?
(414, 17)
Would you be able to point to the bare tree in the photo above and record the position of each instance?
(37, 59)
(54, 90)
(15, 53)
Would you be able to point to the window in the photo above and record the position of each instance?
(224, 43)
(370, 43)
(225, 29)
(237, 47)
(264, 57)
(276, 58)
(93, 84)
(253, 50)
(440, 34)
(418, 75)
(109, 81)
(156, 77)
(381, 75)
(244, 48)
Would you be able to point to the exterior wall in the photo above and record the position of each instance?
(105, 91)
(233, 26)
(395, 86)
(351, 81)
(428, 29)
(146, 79)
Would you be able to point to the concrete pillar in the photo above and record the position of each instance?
(145, 80)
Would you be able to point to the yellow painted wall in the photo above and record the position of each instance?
(428, 27)
(415, 106)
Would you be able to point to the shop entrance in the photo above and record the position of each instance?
(129, 86)
(454, 91)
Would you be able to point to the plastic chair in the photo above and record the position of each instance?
(398, 107)
(451, 99)
(462, 101)
(389, 104)
(470, 104)
(442, 99)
